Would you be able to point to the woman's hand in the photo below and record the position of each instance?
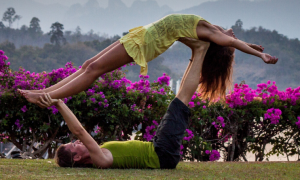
(46, 101)
(257, 47)
(267, 58)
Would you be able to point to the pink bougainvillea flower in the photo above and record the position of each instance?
(24, 109)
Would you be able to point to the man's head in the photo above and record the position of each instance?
(73, 155)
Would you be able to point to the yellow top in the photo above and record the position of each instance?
(145, 43)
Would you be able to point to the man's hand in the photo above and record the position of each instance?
(46, 101)
(267, 58)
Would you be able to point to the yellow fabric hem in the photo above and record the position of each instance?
(133, 50)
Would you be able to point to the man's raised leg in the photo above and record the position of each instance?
(191, 79)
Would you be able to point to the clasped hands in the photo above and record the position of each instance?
(46, 101)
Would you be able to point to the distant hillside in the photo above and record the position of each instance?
(282, 15)
(116, 18)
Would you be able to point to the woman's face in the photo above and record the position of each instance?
(228, 32)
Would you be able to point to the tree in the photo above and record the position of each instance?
(57, 35)
(238, 24)
(24, 28)
(77, 34)
(238, 28)
(34, 26)
(10, 16)
(1, 25)
(68, 33)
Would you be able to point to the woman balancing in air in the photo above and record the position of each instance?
(144, 43)
(163, 152)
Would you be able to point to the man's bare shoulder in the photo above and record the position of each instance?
(108, 157)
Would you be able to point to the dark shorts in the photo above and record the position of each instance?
(170, 133)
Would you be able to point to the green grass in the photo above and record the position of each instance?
(47, 169)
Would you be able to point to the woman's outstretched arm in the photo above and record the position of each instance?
(96, 154)
(210, 33)
(253, 46)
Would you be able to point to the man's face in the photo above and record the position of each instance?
(77, 147)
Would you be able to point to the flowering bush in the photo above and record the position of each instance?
(273, 115)
(113, 106)
(213, 155)
(150, 131)
(113, 103)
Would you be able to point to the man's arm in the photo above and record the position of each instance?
(96, 154)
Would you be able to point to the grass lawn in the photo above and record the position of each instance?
(47, 169)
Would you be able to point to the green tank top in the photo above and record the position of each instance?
(132, 154)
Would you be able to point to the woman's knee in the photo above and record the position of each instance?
(86, 64)
(94, 70)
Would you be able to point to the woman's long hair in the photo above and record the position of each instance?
(216, 75)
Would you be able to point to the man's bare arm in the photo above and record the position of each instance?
(96, 154)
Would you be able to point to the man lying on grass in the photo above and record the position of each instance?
(163, 152)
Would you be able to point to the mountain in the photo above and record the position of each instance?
(282, 15)
(116, 18)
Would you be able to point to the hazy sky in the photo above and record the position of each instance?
(287, 14)
(176, 5)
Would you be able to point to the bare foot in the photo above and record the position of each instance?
(35, 91)
(22, 92)
(32, 97)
